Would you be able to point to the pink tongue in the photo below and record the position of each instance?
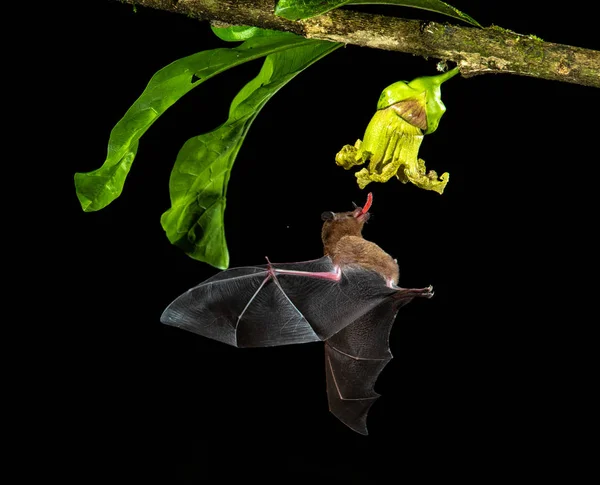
(367, 206)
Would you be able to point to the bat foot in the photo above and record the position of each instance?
(423, 292)
(407, 294)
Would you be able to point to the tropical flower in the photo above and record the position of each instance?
(406, 111)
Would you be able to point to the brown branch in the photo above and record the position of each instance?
(476, 51)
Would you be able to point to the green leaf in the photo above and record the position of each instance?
(238, 33)
(98, 188)
(198, 184)
(302, 9)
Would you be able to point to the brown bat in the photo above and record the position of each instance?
(348, 298)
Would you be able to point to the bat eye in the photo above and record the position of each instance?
(327, 216)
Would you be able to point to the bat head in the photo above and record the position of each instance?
(361, 214)
(339, 224)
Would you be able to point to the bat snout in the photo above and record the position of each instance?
(362, 216)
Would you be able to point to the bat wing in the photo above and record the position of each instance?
(356, 355)
(277, 304)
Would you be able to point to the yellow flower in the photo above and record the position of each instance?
(407, 111)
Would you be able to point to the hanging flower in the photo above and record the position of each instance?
(405, 113)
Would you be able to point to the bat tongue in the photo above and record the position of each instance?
(364, 211)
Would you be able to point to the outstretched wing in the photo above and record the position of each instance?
(356, 355)
(266, 305)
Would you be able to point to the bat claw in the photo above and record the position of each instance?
(272, 272)
(408, 294)
(269, 264)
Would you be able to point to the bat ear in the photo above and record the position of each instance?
(327, 216)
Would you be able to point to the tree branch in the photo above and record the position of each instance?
(475, 51)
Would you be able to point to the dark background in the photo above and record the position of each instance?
(488, 376)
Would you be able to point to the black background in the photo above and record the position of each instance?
(487, 376)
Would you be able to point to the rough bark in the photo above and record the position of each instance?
(475, 51)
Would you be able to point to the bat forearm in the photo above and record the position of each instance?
(335, 275)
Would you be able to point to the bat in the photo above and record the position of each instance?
(349, 299)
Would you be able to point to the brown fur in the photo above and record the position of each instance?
(344, 244)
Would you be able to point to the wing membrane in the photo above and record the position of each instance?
(354, 358)
(256, 306)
